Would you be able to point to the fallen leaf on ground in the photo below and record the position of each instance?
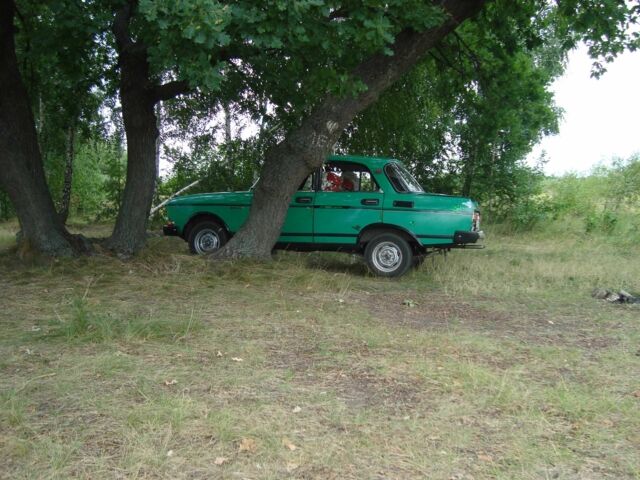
(636, 393)
(220, 460)
(296, 409)
(219, 354)
(485, 458)
(170, 382)
(237, 359)
(247, 445)
(170, 453)
(287, 443)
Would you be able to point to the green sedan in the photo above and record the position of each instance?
(366, 205)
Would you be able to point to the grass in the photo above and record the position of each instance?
(481, 364)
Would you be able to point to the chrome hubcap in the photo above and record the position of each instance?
(386, 257)
(206, 241)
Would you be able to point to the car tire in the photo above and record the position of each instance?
(388, 255)
(206, 237)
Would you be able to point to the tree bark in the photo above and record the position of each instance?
(138, 96)
(305, 148)
(68, 174)
(21, 170)
(140, 121)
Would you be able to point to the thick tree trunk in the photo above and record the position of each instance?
(140, 124)
(305, 149)
(138, 96)
(139, 119)
(68, 174)
(21, 170)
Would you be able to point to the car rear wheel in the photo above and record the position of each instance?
(388, 255)
(206, 237)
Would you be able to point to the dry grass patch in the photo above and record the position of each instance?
(307, 367)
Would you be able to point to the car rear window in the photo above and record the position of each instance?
(401, 179)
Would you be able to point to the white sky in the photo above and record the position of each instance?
(601, 117)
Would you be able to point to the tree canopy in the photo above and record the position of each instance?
(304, 71)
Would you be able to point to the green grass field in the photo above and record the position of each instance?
(492, 364)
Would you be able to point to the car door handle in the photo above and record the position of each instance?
(369, 201)
(303, 199)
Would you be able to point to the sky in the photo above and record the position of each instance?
(601, 116)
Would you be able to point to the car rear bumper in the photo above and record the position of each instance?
(462, 237)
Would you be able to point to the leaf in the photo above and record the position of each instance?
(296, 409)
(220, 460)
(485, 458)
(247, 445)
(237, 359)
(287, 443)
(168, 383)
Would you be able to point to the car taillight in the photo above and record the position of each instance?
(475, 224)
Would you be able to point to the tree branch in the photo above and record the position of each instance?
(170, 90)
(442, 58)
(182, 190)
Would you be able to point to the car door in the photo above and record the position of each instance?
(298, 224)
(348, 201)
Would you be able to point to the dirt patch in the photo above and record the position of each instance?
(440, 312)
(364, 388)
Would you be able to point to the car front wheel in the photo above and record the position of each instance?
(388, 255)
(206, 237)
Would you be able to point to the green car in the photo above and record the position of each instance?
(371, 206)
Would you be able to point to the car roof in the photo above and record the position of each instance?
(375, 162)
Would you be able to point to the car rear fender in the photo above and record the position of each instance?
(376, 229)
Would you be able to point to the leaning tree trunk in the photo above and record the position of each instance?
(305, 149)
(21, 170)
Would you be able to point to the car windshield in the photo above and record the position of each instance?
(401, 178)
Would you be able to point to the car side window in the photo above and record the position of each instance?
(347, 177)
(307, 185)
(367, 183)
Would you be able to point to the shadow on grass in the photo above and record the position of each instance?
(349, 264)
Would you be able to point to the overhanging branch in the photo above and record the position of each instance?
(170, 90)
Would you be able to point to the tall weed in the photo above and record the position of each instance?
(83, 324)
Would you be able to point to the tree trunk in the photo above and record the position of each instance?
(140, 124)
(140, 121)
(138, 96)
(305, 149)
(68, 174)
(21, 170)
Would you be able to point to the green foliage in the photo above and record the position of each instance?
(470, 113)
(6, 209)
(463, 120)
(114, 167)
(604, 202)
(228, 167)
